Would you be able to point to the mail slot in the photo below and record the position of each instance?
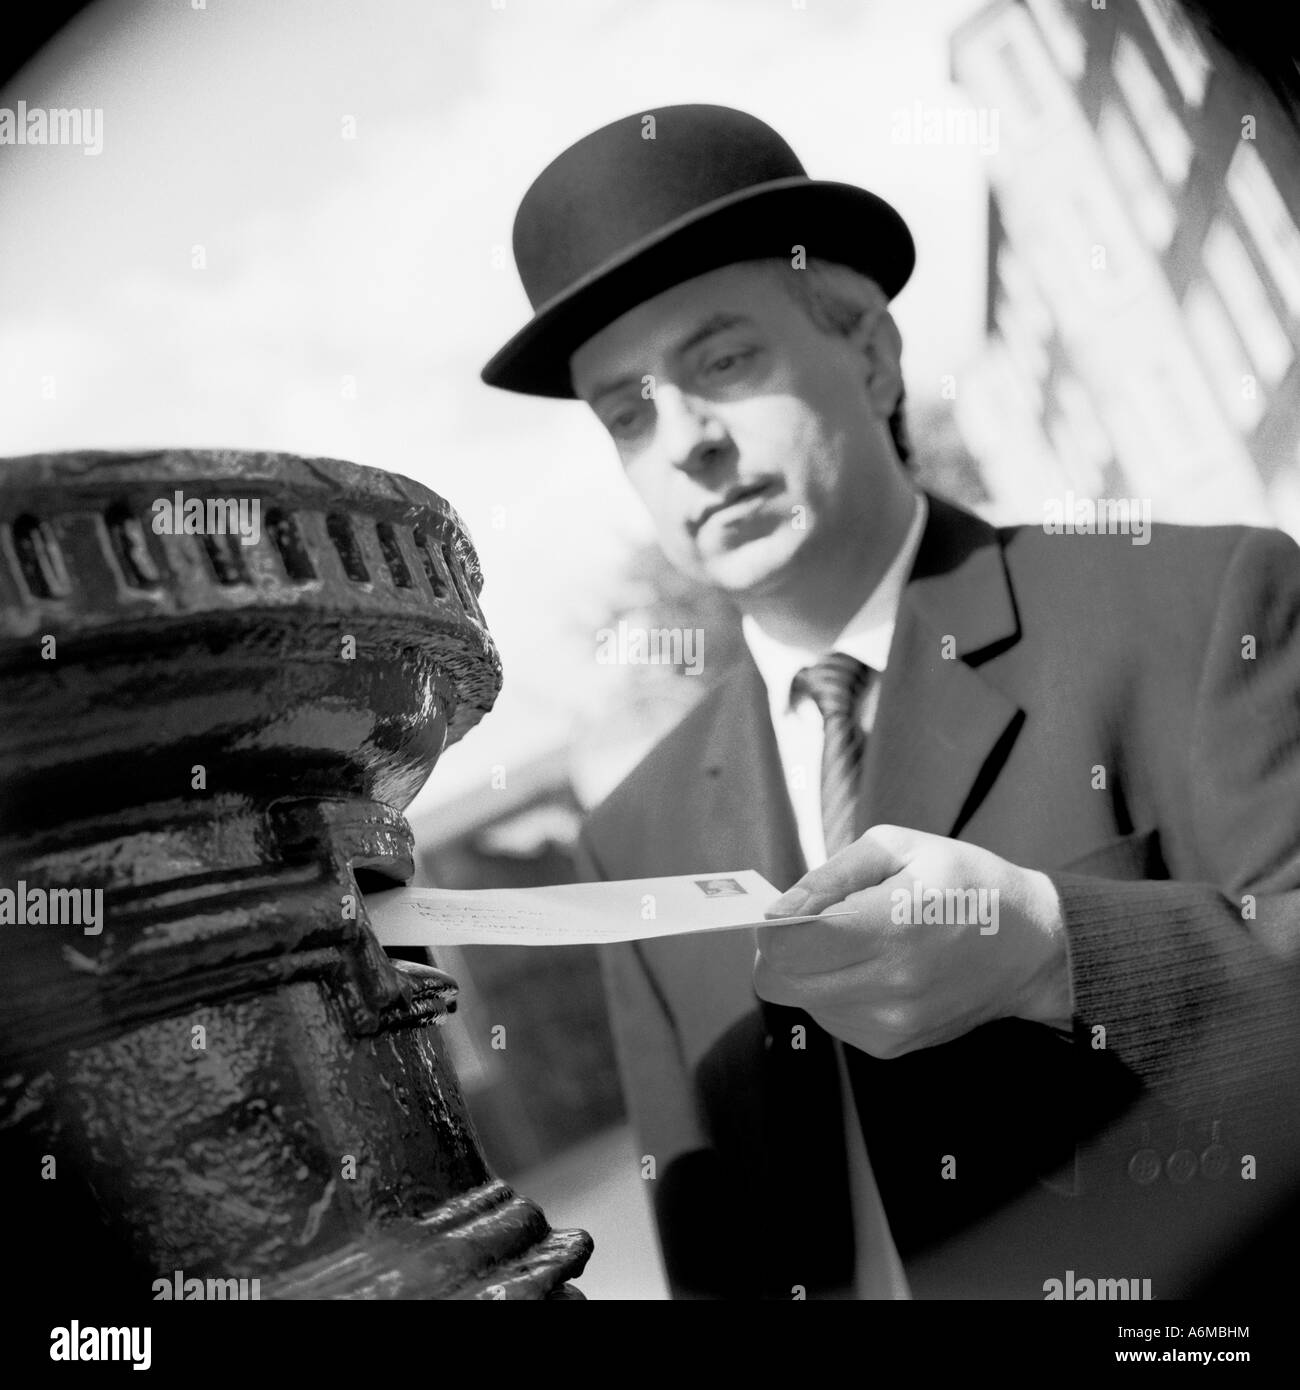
(214, 716)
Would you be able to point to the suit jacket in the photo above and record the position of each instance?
(1124, 717)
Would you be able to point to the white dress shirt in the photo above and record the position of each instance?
(797, 723)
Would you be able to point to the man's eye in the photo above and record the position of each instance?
(729, 361)
(624, 423)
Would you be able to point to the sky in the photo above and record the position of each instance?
(296, 238)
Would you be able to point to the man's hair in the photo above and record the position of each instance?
(836, 298)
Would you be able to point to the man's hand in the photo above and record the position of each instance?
(943, 937)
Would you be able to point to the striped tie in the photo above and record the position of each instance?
(835, 685)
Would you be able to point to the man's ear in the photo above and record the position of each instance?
(881, 344)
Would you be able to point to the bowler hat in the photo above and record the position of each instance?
(656, 198)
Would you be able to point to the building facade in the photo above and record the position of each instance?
(1143, 266)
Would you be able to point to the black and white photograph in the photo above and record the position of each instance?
(650, 652)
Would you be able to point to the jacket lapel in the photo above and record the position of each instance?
(941, 731)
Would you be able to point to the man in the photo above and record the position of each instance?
(1054, 782)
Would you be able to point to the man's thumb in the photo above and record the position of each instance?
(869, 860)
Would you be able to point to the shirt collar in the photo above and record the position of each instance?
(867, 634)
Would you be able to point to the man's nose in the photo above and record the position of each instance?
(694, 436)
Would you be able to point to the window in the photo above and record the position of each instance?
(1141, 184)
(1225, 362)
(1062, 36)
(1021, 85)
(1247, 302)
(1081, 443)
(1267, 220)
(1023, 344)
(1181, 48)
(1152, 114)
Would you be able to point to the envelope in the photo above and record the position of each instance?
(575, 914)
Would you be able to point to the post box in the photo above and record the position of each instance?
(224, 675)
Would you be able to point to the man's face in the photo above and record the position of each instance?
(759, 448)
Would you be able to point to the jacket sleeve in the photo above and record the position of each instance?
(1197, 985)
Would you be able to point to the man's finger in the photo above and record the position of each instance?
(869, 860)
(832, 943)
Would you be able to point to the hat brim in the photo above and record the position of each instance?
(831, 221)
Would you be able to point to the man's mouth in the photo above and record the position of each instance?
(738, 496)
